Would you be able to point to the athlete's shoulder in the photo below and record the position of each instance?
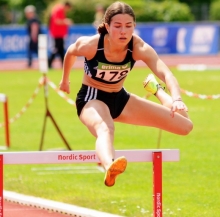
(88, 41)
(141, 49)
(87, 44)
(137, 40)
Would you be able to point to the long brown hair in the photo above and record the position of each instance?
(114, 9)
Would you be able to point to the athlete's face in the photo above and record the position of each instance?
(121, 28)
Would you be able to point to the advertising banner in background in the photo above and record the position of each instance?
(193, 39)
(186, 39)
(202, 39)
(13, 42)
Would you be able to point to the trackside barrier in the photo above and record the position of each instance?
(4, 100)
(200, 96)
(156, 156)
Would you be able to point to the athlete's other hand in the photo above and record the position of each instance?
(178, 105)
(65, 86)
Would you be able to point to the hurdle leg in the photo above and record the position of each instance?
(42, 134)
(157, 184)
(59, 131)
(1, 186)
(48, 114)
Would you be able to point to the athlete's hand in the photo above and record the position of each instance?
(178, 105)
(65, 86)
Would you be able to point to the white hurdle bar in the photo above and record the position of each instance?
(156, 156)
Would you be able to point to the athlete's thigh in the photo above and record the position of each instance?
(139, 111)
(94, 113)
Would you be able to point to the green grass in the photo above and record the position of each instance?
(190, 187)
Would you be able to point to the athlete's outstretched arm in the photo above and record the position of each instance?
(82, 47)
(68, 63)
(144, 52)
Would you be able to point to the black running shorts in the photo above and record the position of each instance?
(115, 101)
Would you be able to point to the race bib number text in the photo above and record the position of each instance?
(112, 73)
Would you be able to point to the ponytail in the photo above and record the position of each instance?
(102, 29)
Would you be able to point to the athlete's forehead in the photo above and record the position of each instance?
(122, 19)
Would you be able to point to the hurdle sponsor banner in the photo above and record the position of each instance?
(145, 155)
(63, 157)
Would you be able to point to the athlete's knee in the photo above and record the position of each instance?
(187, 128)
(105, 128)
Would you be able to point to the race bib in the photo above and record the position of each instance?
(112, 73)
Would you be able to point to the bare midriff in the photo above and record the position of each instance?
(102, 86)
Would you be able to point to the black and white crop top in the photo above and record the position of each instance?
(100, 69)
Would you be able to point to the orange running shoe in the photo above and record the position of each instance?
(117, 167)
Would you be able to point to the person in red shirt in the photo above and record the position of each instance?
(58, 28)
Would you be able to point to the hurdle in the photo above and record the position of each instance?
(4, 100)
(156, 156)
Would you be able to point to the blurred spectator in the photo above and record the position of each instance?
(33, 29)
(98, 18)
(58, 28)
